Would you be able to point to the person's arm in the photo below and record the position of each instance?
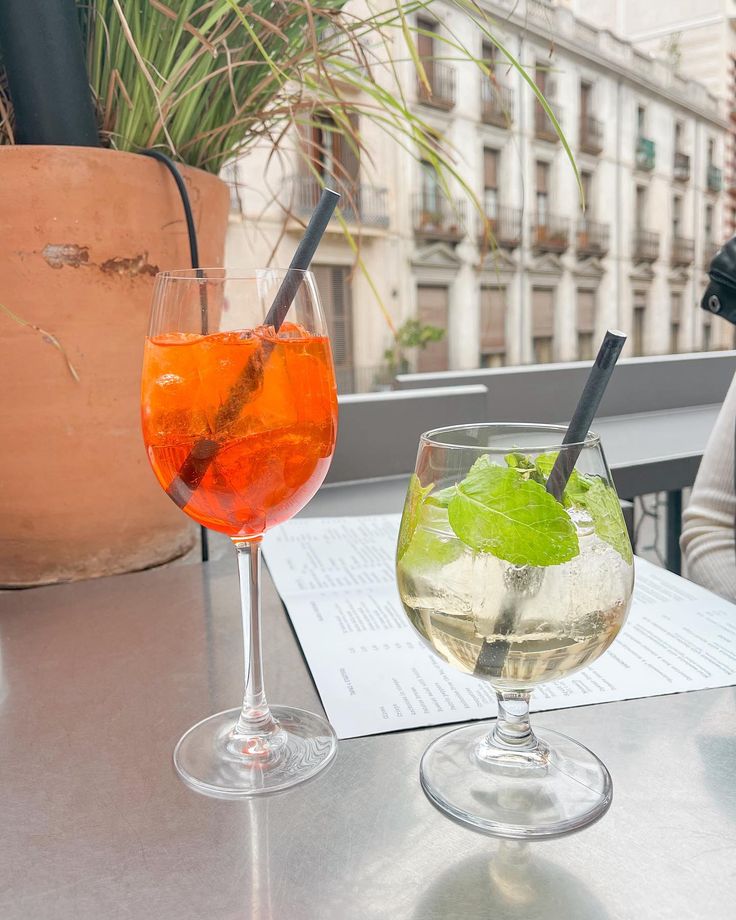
(708, 522)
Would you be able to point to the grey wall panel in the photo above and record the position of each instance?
(378, 433)
(548, 393)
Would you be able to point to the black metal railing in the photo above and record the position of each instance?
(441, 79)
(543, 128)
(681, 166)
(591, 134)
(504, 229)
(591, 238)
(645, 246)
(438, 218)
(550, 233)
(496, 104)
(360, 204)
(683, 251)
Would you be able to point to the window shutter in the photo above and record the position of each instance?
(432, 310)
(543, 312)
(586, 311)
(490, 168)
(334, 288)
(492, 319)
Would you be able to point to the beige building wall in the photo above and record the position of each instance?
(403, 259)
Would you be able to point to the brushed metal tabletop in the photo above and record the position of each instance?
(99, 679)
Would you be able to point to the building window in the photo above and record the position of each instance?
(586, 324)
(586, 94)
(707, 335)
(431, 191)
(709, 223)
(542, 192)
(490, 182)
(543, 324)
(432, 309)
(333, 282)
(678, 136)
(329, 153)
(675, 320)
(640, 207)
(676, 216)
(641, 119)
(492, 326)
(586, 180)
(489, 55)
(639, 322)
(711, 151)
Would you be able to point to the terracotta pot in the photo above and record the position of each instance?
(82, 234)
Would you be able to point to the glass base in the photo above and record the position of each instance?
(561, 788)
(207, 759)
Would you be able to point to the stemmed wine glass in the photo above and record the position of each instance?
(239, 409)
(515, 586)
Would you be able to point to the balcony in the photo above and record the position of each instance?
(644, 154)
(591, 238)
(441, 79)
(550, 234)
(681, 167)
(683, 251)
(645, 246)
(714, 178)
(544, 130)
(438, 218)
(496, 104)
(360, 204)
(505, 229)
(591, 135)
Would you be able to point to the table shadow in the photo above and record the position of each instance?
(511, 882)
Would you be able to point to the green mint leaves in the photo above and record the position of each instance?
(497, 510)
(595, 496)
(507, 511)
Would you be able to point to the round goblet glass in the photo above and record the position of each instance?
(239, 422)
(513, 623)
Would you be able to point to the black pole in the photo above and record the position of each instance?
(44, 61)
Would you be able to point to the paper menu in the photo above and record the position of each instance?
(374, 674)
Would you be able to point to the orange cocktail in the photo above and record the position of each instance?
(271, 440)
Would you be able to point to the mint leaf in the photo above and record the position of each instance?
(442, 498)
(496, 510)
(604, 508)
(525, 466)
(577, 484)
(599, 499)
(412, 509)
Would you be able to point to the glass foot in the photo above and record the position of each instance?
(563, 789)
(207, 760)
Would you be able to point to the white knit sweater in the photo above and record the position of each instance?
(708, 522)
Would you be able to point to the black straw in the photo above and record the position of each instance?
(198, 461)
(493, 655)
(303, 256)
(582, 417)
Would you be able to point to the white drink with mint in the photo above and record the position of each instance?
(508, 583)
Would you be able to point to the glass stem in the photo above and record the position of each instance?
(513, 730)
(256, 731)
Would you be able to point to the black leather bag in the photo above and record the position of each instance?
(720, 295)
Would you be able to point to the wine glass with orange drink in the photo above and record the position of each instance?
(239, 421)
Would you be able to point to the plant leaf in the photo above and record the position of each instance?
(412, 509)
(604, 508)
(497, 511)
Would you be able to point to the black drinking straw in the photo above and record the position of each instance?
(582, 417)
(193, 469)
(492, 655)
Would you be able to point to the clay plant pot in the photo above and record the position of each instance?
(82, 234)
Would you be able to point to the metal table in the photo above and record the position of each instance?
(99, 679)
